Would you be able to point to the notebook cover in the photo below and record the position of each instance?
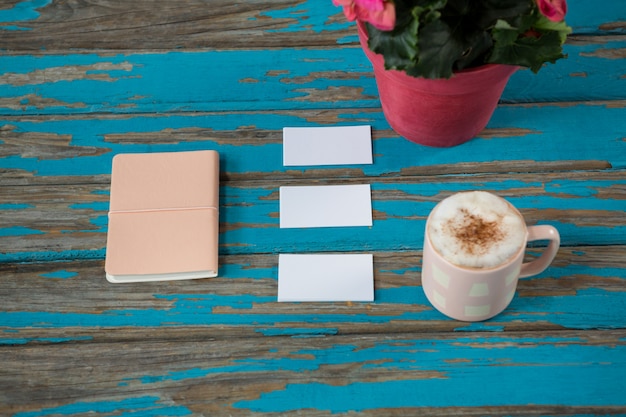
(163, 218)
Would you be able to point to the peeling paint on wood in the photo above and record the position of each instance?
(82, 81)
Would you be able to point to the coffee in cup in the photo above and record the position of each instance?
(474, 247)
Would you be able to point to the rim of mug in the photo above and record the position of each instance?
(472, 269)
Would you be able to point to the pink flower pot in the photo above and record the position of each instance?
(438, 112)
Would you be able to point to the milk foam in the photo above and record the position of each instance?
(476, 229)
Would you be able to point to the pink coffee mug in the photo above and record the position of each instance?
(476, 294)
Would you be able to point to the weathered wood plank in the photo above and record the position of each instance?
(593, 138)
(280, 79)
(72, 301)
(66, 222)
(53, 25)
(555, 373)
(150, 25)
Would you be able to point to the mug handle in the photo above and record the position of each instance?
(537, 266)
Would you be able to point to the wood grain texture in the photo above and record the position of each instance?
(242, 300)
(54, 25)
(83, 80)
(79, 149)
(397, 374)
(280, 79)
(61, 222)
(67, 162)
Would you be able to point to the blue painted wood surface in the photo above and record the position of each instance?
(284, 79)
(230, 78)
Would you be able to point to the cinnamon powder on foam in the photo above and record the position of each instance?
(476, 229)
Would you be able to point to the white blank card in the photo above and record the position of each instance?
(333, 145)
(325, 277)
(325, 206)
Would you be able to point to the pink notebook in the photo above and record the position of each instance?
(163, 217)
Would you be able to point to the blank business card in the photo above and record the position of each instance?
(325, 277)
(325, 206)
(336, 145)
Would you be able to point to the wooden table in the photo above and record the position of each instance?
(83, 81)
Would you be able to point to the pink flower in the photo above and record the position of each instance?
(553, 9)
(375, 5)
(380, 13)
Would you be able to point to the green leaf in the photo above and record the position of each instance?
(474, 52)
(399, 46)
(527, 51)
(438, 51)
(494, 10)
(546, 25)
